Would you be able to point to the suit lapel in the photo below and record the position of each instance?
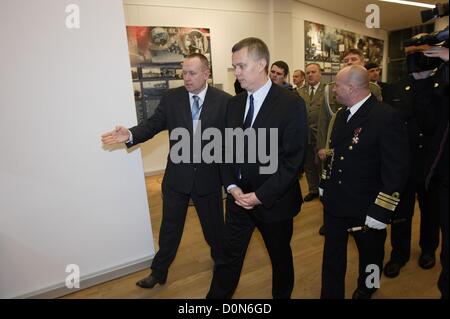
(186, 110)
(343, 129)
(319, 93)
(267, 106)
(338, 132)
(360, 116)
(206, 108)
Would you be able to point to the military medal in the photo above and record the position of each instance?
(355, 138)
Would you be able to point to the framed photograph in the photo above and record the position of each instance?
(151, 73)
(160, 85)
(327, 44)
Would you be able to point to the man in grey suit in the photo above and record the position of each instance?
(312, 93)
(184, 107)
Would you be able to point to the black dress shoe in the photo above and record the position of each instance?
(427, 261)
(362, 294)
(150, 282)
(310, 197)
(322, 230)
(392, 269)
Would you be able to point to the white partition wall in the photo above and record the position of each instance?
(64, 199)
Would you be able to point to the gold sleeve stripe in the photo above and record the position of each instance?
(385, 205)
(387, 200)
(395, 196)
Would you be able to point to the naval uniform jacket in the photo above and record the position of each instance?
(369, 165)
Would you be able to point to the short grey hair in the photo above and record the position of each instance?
(256, 47)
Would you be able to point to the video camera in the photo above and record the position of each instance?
(416, 61)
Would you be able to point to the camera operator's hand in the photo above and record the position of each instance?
(437, 52)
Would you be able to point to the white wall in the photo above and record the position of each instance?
(65, 199)
(280, 23)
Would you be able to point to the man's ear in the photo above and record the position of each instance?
(207, 73)
(262, 64)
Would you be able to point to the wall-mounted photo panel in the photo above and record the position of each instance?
(158, 52)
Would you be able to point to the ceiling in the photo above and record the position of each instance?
(392, 16)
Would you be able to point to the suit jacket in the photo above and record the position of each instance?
(279, 192)
(369, 167)
(313, 107)
(325, 115)
(173, 112)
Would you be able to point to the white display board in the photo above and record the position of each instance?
(64, 198)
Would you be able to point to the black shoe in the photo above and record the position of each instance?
(362, 294)
(310, 197)
(427, 261)
(322, 230)
(150, 282)
(392, 269)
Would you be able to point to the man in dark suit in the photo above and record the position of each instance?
(193, 106)
(268, 201)
(361, 183)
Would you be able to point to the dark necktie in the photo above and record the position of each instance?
(311, 94)
(249, 117)
(345, 116)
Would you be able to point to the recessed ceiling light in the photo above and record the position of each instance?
(412, 3)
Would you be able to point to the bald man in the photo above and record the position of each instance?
(330, 104)
(361, 183)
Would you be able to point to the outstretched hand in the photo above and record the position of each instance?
(119, 135)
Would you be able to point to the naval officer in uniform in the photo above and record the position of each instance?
(361, 183)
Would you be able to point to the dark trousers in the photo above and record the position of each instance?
(370, 246)
(210, 212)
(439, 186)
(239, 227)
(402, 223)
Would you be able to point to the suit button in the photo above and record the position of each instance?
(420, 146)
(420, 134)
(342, 158)
(340, 171)
(339, 182)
